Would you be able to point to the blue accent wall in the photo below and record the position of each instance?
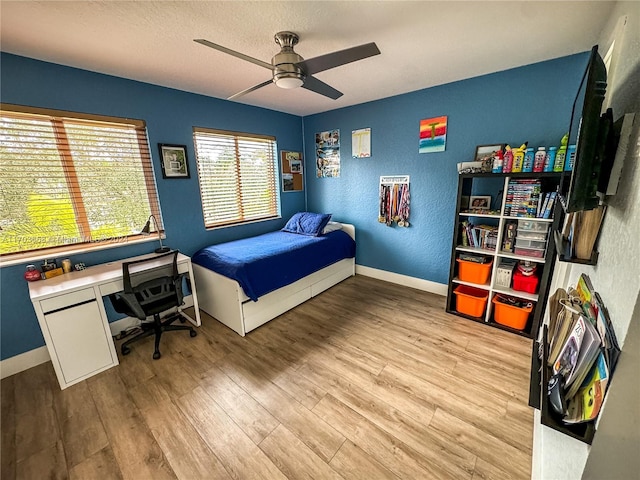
(170, 115)
(531, 103)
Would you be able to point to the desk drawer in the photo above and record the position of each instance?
(67, 300)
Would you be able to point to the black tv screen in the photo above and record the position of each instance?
(589, 131)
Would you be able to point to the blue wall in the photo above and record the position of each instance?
(531, 103)
(170, 115)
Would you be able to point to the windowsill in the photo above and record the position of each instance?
(239, 224)
(31, 257)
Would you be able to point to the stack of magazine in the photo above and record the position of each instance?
(583, 349)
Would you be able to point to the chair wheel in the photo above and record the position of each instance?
(193, 333)
(156, 355)
(125, 350)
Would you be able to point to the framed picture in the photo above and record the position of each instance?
(480, 202)
(173, 159)
(486, 154)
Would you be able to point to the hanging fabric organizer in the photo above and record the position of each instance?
(394, 200)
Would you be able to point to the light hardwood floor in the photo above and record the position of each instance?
(369, 380)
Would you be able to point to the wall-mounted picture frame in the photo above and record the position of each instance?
(173, 159)
(486, 154)
(480, 202)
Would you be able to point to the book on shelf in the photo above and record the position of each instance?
(584, 405)
(523, 198)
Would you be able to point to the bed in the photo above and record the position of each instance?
(245, 302)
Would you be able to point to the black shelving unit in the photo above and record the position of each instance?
(495, 184)
(564, 252)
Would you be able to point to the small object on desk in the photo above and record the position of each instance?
(66, 265)
(79, 266)
(53, 273)
(32, 274)
(49, 265)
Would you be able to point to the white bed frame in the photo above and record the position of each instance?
(225, 300)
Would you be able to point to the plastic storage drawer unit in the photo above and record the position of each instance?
(471, 301)
(474, 272)
(533, 226)
(529, 252)
(524, 243)
(531, 235)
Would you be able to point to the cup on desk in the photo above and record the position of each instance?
(66, 265)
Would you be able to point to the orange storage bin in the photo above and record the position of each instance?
(471, 301)
(474, 272)
(509, 315)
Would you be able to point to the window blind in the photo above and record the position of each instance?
(71, 179)
(237, 174)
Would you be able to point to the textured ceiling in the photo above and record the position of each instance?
(422, 43)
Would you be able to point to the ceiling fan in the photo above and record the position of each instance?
(290, 70)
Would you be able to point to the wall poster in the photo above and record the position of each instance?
(361, 143)
(328, 154)
(292, 171)
(433, 134)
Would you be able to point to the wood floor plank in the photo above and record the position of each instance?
(8, 431)
(101, 465)
(433, 446)
(241, 457)
(353, 463)
(392, 453)
(45, 463)
(134, 448)
(510, 459)
(303, 465)
(81, 429)
(254, 420)
(36, 431)
(187, 453)
(318, 435)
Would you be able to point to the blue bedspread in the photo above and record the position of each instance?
(267, 262)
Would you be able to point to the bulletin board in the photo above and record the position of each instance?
(291, 169)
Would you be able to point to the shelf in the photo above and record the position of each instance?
(564, 252)
(512, 175)
(533, 219)
(484, 215)
(520, 257)
(499, 326)
(516, 293)
(476, 285)
(482, 251)
(580, 431)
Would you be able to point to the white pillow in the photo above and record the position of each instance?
(332, 227)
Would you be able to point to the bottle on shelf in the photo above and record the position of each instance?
(518, 158)
(538, 159)
(570, 158)
(561, 155)
(549, 159)
(527, 164)
(507, 164)
(497, 162)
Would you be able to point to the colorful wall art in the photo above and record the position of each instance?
(328, 154)
(433, 134)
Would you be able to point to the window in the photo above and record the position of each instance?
(237, 173)
(69, 181)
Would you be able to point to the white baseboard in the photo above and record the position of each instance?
(405, 280)
(24, 361)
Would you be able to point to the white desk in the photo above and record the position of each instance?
(73, 320)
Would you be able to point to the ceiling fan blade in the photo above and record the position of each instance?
(335, 59)
(250, 89)
(315, 85)
(207, 43)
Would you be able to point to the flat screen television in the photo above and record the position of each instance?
(593, 135)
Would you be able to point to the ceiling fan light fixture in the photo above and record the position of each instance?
(289, 82)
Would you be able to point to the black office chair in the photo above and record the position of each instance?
(150, 292)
